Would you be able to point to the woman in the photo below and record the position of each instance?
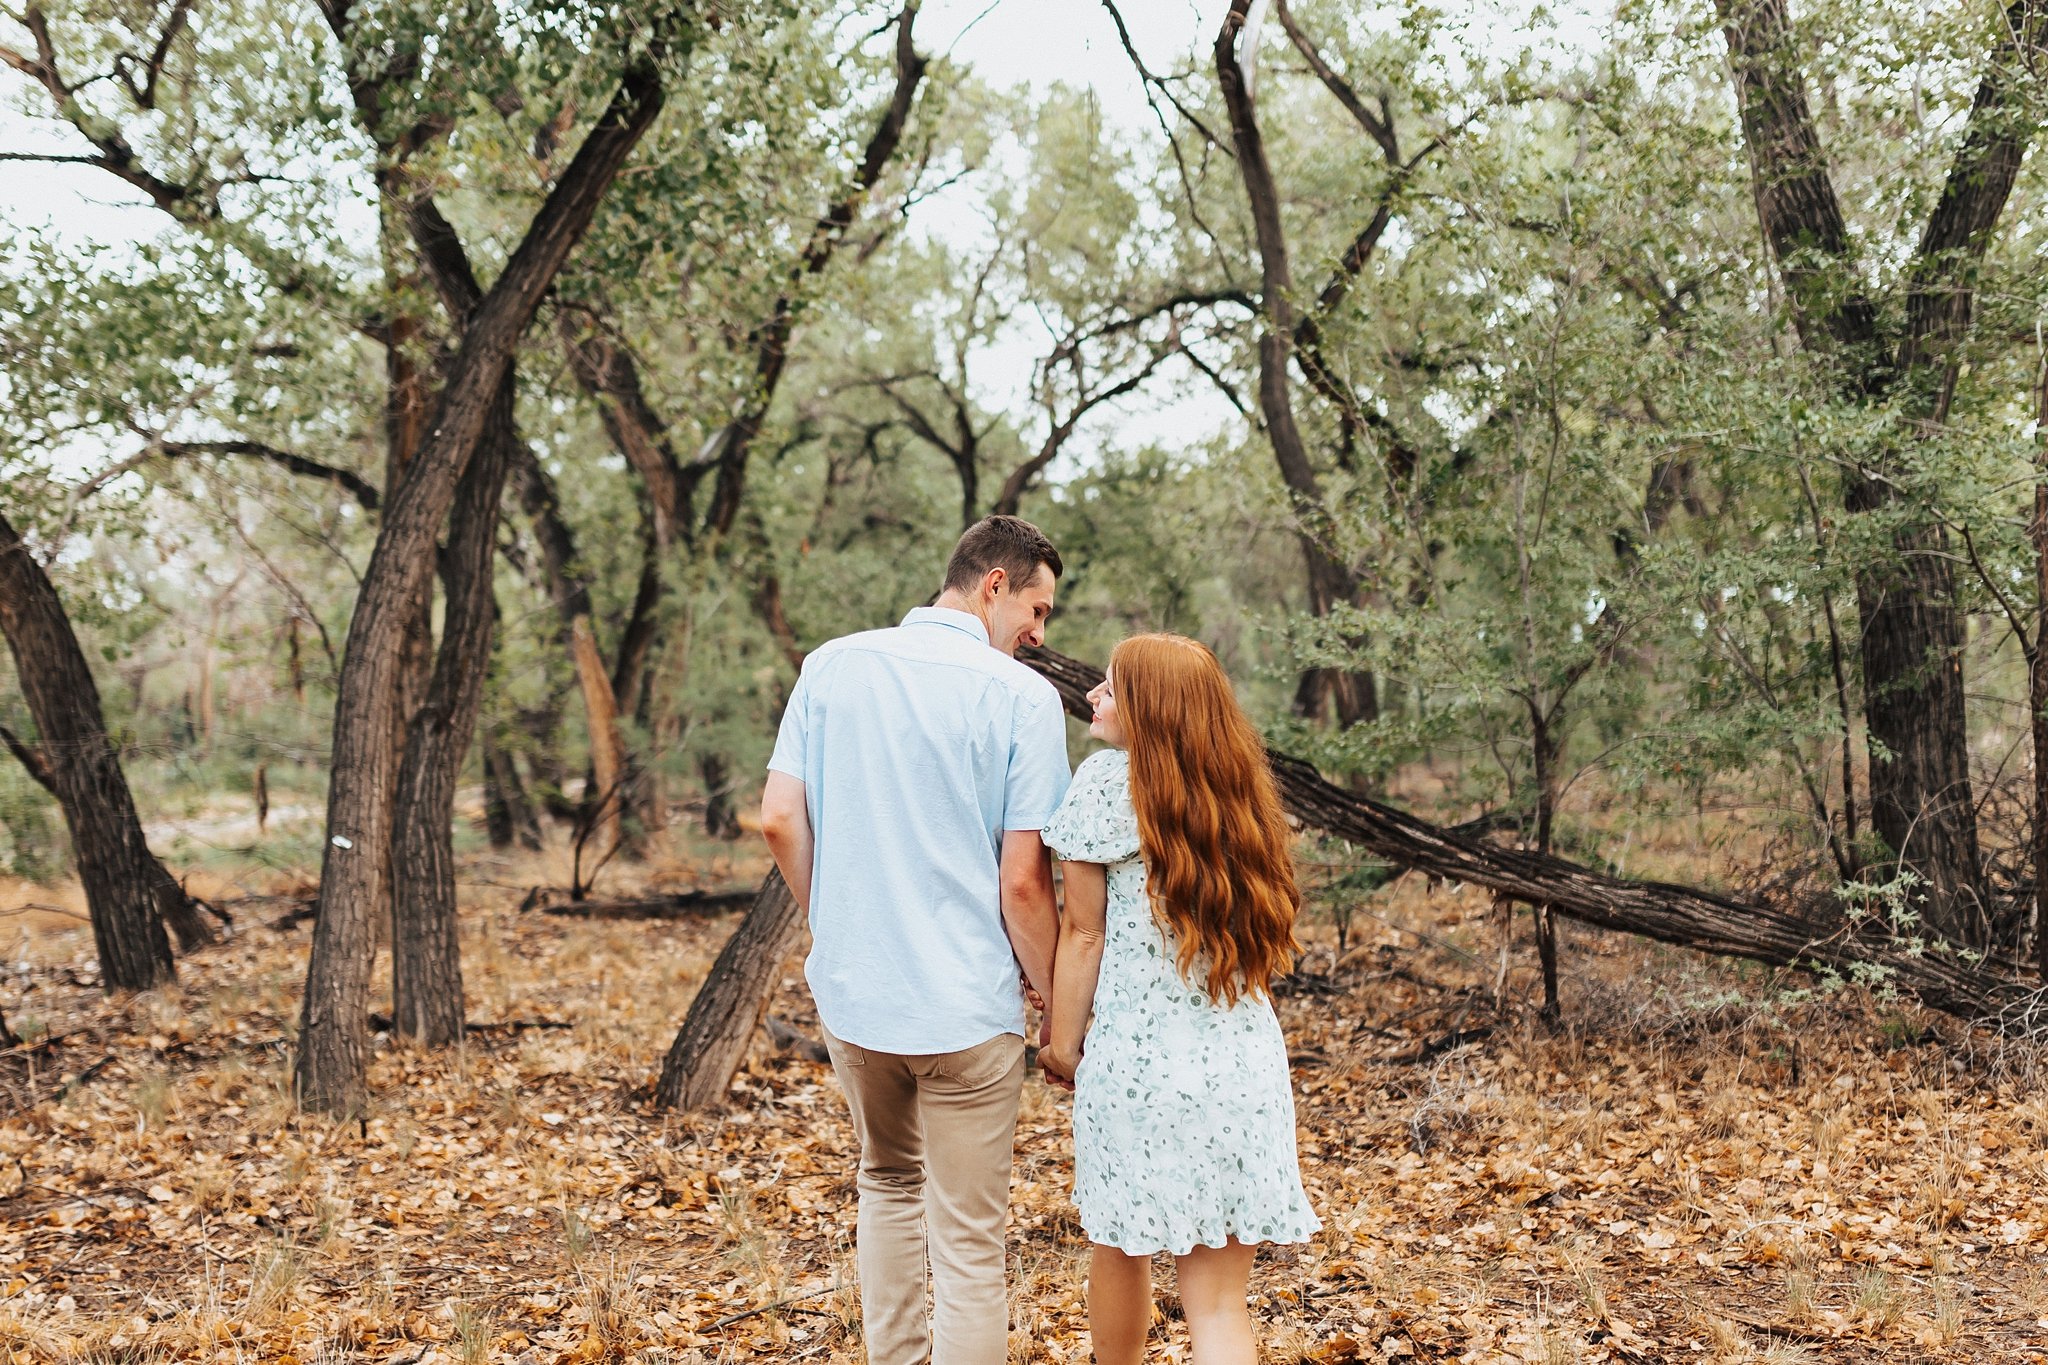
(1180, 905)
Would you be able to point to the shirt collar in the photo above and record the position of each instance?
(965, 622)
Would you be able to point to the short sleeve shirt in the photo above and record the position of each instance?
(918, 747)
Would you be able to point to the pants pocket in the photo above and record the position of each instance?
(844, 1053)
(973, 1067)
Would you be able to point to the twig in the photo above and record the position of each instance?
(1757, 1324)
(732, 1318)
(63, 1092)
(47, 908)
(1437, 1047)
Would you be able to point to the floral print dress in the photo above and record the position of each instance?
(1183, 1115)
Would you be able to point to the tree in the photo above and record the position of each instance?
(355, 871)
(1913, 630)
(127, 890)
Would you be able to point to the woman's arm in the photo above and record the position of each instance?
(1077, 964)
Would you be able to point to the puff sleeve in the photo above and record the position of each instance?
(1096, 822)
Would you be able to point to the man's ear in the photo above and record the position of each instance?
(995, 581)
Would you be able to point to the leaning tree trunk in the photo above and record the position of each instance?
(729, 1005)
(333, 1053)
(1683, 916)
(426, 957)
(126, 889)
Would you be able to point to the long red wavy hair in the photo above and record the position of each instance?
(1210, 823)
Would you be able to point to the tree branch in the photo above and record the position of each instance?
(771, 339)
(1379, 129)
(357, 487)
(31, 758)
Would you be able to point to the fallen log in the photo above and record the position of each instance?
(1683, 916)
(679, 905)
(734, 998)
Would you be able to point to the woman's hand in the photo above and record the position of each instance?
(1059, 1066)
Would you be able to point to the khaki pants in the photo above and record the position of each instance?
(936, 1136)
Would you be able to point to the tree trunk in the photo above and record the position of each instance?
(1913, 701)
(333, 1041)
(426, 958)
(2037, 673)
(1913, 630)
(1546, 742)
(126, 888)
(408, 398)
(603, 798)
(506, 799)
(732, 1001)
(497, 806)
(721, 821)
(1330, 581)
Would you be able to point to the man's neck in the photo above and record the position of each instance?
(954, 600)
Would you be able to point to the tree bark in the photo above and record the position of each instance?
(426, 959)
(731, 1003)
(333, 1039)
(126, 889)
(2037, 667)
(1913, 630)
(1330, 581)
(604, 801)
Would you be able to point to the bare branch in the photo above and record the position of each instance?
(31, 758)
(352, 483)
(153, 67)
(1378, 127)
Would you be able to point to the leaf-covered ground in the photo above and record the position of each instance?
(1692, 1168)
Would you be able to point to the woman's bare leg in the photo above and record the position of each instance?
(1213, 1284)
(1119, 1305)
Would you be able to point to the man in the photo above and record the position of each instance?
(913, 772)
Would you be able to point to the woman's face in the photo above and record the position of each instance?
(1105, 725)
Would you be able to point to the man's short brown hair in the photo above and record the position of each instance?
(1011, 544)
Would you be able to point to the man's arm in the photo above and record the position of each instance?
(1029, 915)
(786, 823)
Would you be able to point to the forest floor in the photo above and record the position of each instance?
(1699, 1165)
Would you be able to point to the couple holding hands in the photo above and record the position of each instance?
(918, 782)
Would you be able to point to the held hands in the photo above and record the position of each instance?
(1061, 1075)
(1059, 1066)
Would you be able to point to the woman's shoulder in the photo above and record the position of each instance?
(1104, 765)
(1096, 824)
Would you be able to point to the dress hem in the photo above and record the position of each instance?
(1278, 1239)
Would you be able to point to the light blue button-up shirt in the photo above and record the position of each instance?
(918, 747)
